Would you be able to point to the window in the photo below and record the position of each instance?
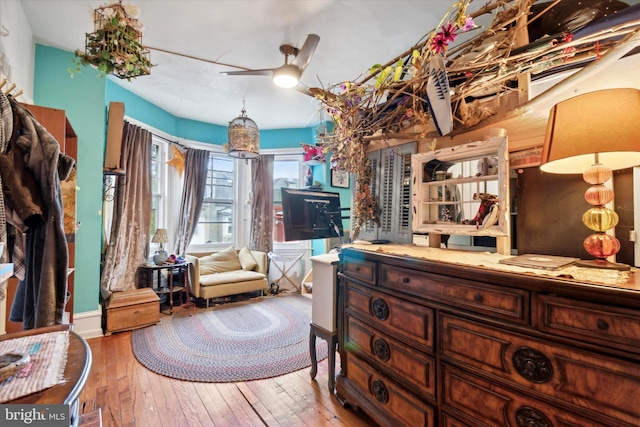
(158, 184)
(215, 224)
(286, 173)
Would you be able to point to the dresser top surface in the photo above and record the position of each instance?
(485, 266)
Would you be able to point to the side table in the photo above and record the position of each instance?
(323, 312)
(179, 270)
(76, 373)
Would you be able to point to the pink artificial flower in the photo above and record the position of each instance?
(468, 24)
(438, 44)
(448, 32)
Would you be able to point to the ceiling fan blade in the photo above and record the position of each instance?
(265, 72)
(306, 52)
(303, 89)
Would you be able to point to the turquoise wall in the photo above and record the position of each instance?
(139, 108)
(322, 173)
(148, 113)
(85, 98)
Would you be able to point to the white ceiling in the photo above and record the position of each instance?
(354, 35)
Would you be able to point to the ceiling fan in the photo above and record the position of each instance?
(287, 75)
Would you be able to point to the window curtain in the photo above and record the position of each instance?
(195, 180)
(129, 243)
(262, 204)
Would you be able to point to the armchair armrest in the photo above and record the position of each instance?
(261, 259)
(194, 274)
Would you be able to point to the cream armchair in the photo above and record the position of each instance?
(225, 273)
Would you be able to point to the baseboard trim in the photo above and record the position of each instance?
(88, 324)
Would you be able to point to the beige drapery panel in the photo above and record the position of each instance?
(195, 179)
(129, 243)
(262, 207)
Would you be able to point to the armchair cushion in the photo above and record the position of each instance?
(229, 277)
(247, 261)
(219, 262)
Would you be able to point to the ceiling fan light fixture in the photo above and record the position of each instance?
(286, 76)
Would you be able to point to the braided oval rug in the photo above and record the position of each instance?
(258, 338)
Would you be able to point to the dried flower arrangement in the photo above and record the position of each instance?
(392, 98)
(115, 47)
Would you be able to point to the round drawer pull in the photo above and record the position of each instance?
(529, 417)
(532, 365)
(603, 325)
(478, 298)
(380, 309)
(406, 279)
(381, 349)
(357, 269)
(380, 391)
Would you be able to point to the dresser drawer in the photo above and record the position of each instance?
(359, 269)
(448, 421)
(504, 303)
(606, 325)
(387, 395)
(408, 322)
(486, 403)
(414, 367)
(603, 385)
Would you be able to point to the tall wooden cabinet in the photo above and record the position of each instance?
(58, 125)
(431, 343)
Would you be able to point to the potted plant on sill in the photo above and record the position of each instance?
(115, 47)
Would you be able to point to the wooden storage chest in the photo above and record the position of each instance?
(132, 309)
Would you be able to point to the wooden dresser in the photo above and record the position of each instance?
(428, 343)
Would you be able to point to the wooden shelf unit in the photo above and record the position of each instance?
(440, 205)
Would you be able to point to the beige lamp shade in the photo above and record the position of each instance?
(597, 127)
(160, 236)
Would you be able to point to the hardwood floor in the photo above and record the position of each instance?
(131, 395)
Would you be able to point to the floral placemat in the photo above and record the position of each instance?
(48, 354)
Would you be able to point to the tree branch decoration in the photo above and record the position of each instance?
(392, 99)
(115, 47)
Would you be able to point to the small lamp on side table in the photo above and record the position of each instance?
(594, 134)
(160, 237)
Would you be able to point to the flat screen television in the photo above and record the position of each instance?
(310, 214)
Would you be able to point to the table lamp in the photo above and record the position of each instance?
(162, 238)
(594, 134)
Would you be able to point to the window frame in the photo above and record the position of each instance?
(171, 193)
(162, 194)
(235, 206)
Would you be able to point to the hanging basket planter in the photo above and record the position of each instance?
(115, 47)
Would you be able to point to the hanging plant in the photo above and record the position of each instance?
(115, 47)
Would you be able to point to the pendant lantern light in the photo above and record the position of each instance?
(244, 137)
